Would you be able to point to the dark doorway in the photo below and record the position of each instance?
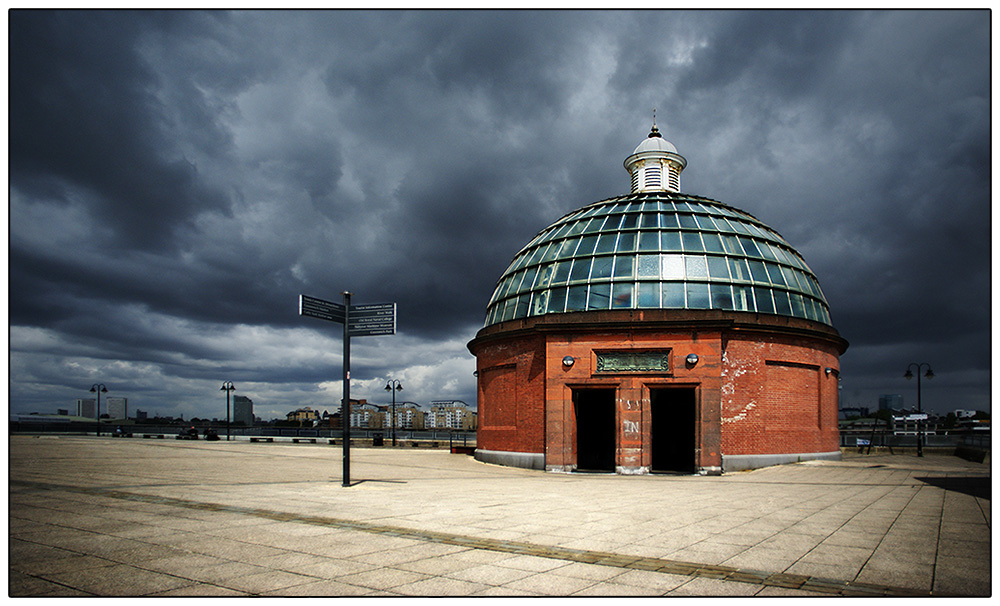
(595, 429)
(672, 431)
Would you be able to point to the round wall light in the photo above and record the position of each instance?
(692, 359)
(568, 361)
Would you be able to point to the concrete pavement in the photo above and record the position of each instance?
(103, 516)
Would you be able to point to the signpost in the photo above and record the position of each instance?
(359, 321)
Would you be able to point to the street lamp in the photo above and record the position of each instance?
(227, 387)
(920, 420)
(98, 388)
(393, 386)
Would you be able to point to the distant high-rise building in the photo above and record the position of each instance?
(892, 401)
(117, 407)
(86, 408)
(141, 414)
(243, 410)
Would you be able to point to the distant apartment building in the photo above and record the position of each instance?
(303, 415)
(409, 416)
(892, 401)
(451, 414)
(117, 407)
(243, 410)
(141, 414)
(365, 415)
(86, 408)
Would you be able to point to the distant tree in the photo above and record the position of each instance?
(981, 414)
(950, 421)
(884, 415)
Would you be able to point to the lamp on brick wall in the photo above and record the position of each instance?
(691, 359)
(568, 361)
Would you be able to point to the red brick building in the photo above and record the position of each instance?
(657, 331)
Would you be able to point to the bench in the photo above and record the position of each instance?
(297, 440)
(153, 435)
(261, 439)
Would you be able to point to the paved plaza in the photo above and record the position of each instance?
(144, 517)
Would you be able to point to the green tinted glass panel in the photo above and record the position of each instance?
(557, 300)
(692, 241)
(649, 294)
(671, 241)
(602, 268)
(763, 298)
(697, 295)
(758, 272)
(626, 241)
(775, 274)
(750, 247)
(581, 269)
(672, 296)
(649, 241)
(621, 295)
(529, 277)
(781, 304)
(713, 243)
(718, 269)
(606, 243)
(722, 296)
(600, 296)
(624, 267)
(562, 272)
(576, 298)
(586, 246)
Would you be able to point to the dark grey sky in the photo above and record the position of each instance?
(177, 179)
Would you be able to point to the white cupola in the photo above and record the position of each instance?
(655, 164)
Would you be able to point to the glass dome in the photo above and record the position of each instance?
(657, 250)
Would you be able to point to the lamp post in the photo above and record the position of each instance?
(227, 387)
(393, 386)
(920, 420)
(98, 388)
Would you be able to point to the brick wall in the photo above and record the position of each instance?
(757, 390)
(777, 397)
(512, 395)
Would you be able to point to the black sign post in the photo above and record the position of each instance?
(359, 321)
(345, 407)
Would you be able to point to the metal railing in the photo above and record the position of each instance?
(421, 435)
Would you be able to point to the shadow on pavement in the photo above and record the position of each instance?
(976, 486)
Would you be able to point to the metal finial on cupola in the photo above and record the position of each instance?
(655, 132)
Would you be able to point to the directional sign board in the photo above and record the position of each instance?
(372, 320)
(318, 308)
(369, 320)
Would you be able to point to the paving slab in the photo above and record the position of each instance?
(93, 516)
